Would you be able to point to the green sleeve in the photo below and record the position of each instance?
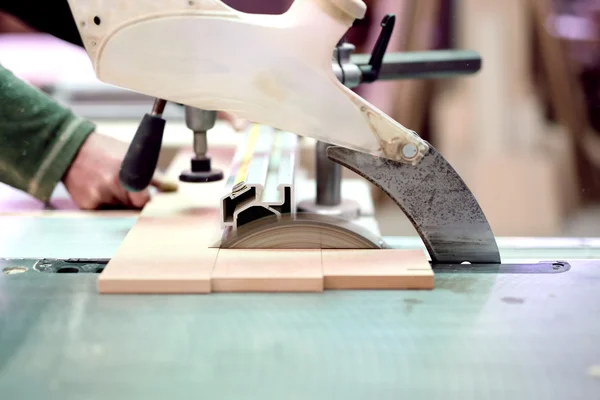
(38, 137)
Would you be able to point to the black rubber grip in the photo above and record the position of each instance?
(141, 159)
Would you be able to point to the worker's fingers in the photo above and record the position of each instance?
(87, 198)
(109, 198)
(139, 199)
(239, 124)
(117, 194)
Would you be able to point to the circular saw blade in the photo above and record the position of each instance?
(300, 231)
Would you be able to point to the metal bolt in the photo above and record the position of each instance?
(557, 265)
(200, 144)
(409, 150)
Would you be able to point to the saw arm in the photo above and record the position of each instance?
(273, 70)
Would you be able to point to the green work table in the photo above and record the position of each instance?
(475, 336)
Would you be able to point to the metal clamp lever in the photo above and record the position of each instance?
(139, 164)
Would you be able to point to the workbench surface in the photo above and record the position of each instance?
(476, 336)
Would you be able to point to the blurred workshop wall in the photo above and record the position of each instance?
(524, 131)
(516, 131)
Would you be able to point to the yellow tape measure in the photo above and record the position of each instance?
(242, 174)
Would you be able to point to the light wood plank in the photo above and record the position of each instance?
(268, 271)
(164, 254)
(377, 269)
(170, 249)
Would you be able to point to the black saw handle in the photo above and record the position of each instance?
(139, 164)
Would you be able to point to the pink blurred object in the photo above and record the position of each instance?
(14, 201)
(42, 59)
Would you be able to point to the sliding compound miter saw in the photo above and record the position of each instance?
(277, 70)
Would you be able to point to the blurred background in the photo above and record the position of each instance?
(524, 132)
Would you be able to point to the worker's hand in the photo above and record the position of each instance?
(236, 123)
(92, 180)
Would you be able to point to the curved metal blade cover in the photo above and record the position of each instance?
(435, 199)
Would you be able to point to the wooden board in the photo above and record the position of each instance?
(376, 269)
(168, 250)
(171, 249)
(268, 271)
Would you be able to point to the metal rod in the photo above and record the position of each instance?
(328, 178)
(424, 64)
(159, 107)
(200, 144)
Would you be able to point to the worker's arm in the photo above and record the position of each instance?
(39, 138)
(42, 143)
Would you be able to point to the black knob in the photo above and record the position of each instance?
(370, 72)
(141, 159)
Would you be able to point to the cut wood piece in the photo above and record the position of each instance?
(268, 271)
(169, 249)
(164, 255)
(377, 269)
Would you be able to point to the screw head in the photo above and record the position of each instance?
(409, 150)
(557, 265)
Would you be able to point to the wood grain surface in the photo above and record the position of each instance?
(377, 269)
(169, 249)
(268, 271)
